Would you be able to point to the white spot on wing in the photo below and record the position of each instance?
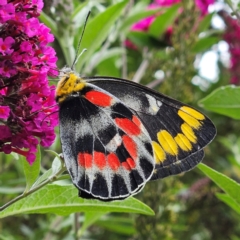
(154, 104)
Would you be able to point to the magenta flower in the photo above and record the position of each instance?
(5, 45)
(203, 5)
(27, 104)
(165, 2)
(5, 132)
(4, 112)
(144, 24)
(232, 37)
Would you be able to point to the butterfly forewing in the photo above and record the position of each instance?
(178, 132)
(107, 149)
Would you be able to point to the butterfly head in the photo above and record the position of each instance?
(69, 83)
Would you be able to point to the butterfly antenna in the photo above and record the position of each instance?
(79, 43)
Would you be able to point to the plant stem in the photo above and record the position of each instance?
(25, 194)
(143, 66)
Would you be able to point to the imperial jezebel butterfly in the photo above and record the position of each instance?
(117, 135)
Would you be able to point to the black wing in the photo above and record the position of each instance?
(106, 148)
(178, 132)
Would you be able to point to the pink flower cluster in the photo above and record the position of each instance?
(27, 104)
(144, 24)
(232, 37)
(203, 5)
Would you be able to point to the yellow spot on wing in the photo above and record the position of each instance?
(191, 121)
(193, 112)
(167, 142)
(183, 142)
(188, 132)
(159, 154)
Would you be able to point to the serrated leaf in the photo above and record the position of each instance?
(31, 172)
(231, 187)
(97, 31)
(229, 201)
(162, 22)
(224, 100)
(64, 200)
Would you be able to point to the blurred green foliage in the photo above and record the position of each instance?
(187, 206)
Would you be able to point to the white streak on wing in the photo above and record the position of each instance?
(82, 128)
(100, 122)
(114, 143)
(68, 147)
(132, 102)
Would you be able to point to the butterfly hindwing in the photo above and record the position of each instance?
(106, 148)
(178, 132)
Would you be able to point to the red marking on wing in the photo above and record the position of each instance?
(129, 164)
(113, 161)
(137, 121)
(99, 98)
(128, 126)
(130, 145)
(100, 159)
(85, 160)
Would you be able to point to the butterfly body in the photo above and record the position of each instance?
(117, 135)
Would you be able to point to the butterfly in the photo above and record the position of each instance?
(117, 135)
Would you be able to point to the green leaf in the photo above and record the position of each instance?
(205, 22)
(160, 24)
(224, 100)
(228, 185)
(229, 201)
(205, 43)
(121, 225)
(79, 12)
(90, 218)
(133, 18)
(108, 68)
(142, 39)
(97, 31)
(31, 172)
(64, 200)
(43, 177)
(56, 165)
(100, 57)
